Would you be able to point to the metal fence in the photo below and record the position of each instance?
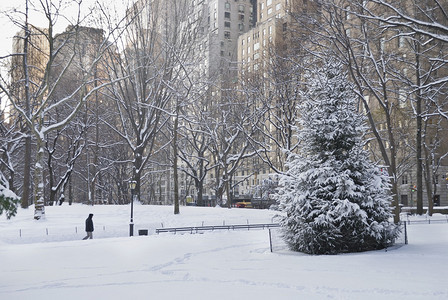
(278, 244)
(196, 229)
(426, 221)
(42, 233)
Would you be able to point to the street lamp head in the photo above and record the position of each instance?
(132, 184)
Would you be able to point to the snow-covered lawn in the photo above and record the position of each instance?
(48, 260)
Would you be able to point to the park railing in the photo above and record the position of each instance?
(427, 221)
(278, 244)
(196, 229)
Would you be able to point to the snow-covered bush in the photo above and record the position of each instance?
(334, 198)
(8, 202)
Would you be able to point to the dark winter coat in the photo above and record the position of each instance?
(89, 223)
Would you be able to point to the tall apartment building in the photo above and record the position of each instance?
(271, 32)
(255, 52)
(38, 52)
(226, 21)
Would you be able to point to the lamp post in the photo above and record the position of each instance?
(132, 185)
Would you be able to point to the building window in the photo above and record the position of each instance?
(241, 27)
(269, 11)
(227, 15)
(241, 17)
(404, 179)
(227, 24)
(278, 6)
(269, 2)
(227, 34)
(227, 5)
(241, 8)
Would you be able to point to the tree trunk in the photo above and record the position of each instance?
(70, 192)
(418, 145)
(429, 163)
(175, 172)
(27, 161)
(27, 173)
(429, 192)
(39, 203)
(229, 198)
(200, 194)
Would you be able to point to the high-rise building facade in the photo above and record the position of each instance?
(272, 34)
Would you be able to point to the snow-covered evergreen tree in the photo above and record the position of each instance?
(334, 198)
(8, 199)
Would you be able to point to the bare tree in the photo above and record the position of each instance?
(371, 50)
(40, 102)
(232, 125)
(194, 145)
(61, 162)
(420, 28)
(156, 61)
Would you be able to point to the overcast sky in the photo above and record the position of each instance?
(8, 30)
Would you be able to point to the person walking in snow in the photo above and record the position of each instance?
(89, 227)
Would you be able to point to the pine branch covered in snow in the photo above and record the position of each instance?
(8, 202)
(335, 199)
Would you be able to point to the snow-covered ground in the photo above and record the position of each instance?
(48, 260)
